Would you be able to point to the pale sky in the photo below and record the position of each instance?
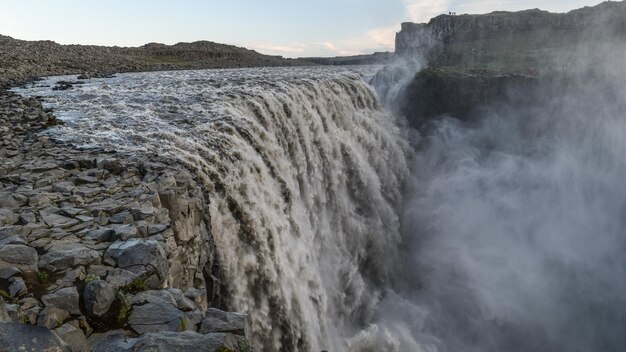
(292, 28)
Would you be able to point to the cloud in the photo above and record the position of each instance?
(376, 39)
(424, 10)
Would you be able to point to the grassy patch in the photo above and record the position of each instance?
(43, 277)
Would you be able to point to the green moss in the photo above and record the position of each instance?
(124, 307)
(7, 297)
(91, 278)
(182, 325)
(244, 346)
(137, 285)
(43, 277)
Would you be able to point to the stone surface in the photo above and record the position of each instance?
(142, 257)
(52, 317)
(98, 297)
(73, 337)
(186, 341)
(154, 311)
(67, 255)
(216, 320)
(65, 298)
(16, 337)
(18, 256)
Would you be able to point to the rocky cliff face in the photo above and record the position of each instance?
(606, 19)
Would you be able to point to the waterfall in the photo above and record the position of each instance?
(304, 172)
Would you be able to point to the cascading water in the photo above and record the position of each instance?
(511, 239)
(303, 170)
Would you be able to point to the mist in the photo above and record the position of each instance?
(515, 223)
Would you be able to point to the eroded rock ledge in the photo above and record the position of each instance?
(102, 251)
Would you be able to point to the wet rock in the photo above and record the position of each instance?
(216, 320)
(98, 297)
(65, 298)
(16, 337)
(66, 255)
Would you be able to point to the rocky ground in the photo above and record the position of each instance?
(22, 60)
(101, 251)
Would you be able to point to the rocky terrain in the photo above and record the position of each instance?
(101, 251)
(22, 60)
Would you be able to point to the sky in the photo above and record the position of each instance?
(291, 28)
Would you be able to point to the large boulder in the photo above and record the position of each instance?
(98, 297)
(18, 256)
(216, 320)
(167, 341)
(155, 311)
(16, 337)
(67, 255)
(142, 257)
(65, 298)
(74, 337)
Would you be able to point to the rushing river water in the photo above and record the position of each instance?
(503, 235)
(304, 172)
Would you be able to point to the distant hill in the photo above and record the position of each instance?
(21, 60)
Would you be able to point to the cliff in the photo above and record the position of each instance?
(510, 40)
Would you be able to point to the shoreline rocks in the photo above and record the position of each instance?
(95, 243)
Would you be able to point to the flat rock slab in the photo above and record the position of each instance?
(65, 298)
(19, 256)
(20, 337)
(68, 255)
(186, 341)
(155, 311)
(216, 320)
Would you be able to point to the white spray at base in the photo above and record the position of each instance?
(304, 172)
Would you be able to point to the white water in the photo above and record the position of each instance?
(512, 239)
(304, 172)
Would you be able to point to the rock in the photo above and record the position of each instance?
(65, 298)
(73, 337)
(66, 255)
(142, 257)
(52, 317)
(216, 320)
(125, 232)
(183, 303)
(96, 338)
(18, 256)
(57, 220)
(186, 341)
(98, 297)
(17, 288)
(6, 273)
(4, 315)
(155, 311)
(100, 235)
(16, 337)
